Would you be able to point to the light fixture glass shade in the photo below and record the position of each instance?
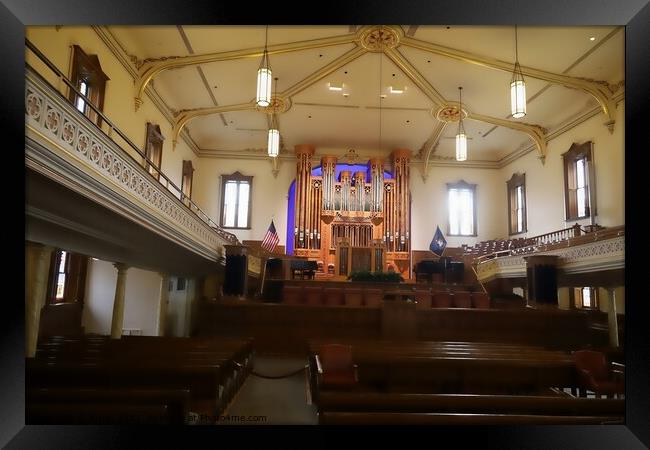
(518, 98)
(264, 78)
(461, 146)
(274, 142)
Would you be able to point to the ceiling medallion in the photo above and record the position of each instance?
(278, 105)
(376, 38)
(449, 112)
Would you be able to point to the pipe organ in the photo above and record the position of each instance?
(361, 209)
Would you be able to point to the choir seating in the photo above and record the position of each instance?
(480, 300)
(441, 299)
(462, 299)
(333, 296)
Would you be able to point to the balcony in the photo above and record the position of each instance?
(64, 146)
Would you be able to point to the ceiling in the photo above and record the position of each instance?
(418, 64)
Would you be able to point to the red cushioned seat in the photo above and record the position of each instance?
(594, 374)
(338, 369)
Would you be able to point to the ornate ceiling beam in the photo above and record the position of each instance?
(186, 115)
(280, 103)
(323, 72)
(430, 146)
(600, 90)
(410, 71)
(149, 68)
(536, 133)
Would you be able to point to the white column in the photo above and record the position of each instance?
(611, 316)
(162, 304)
(118, 303)
(35, 292)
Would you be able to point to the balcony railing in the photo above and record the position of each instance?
(113, 131)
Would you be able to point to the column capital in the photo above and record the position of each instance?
(164, 275)
(121, 267)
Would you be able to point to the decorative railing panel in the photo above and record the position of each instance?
(70, 142)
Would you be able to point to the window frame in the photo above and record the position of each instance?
(75, 270)
(512, 184)
(463, 185)
(153, 150)
(86, 68)
(187, 174)
(569, 161)
(577, 298)
(239, 178)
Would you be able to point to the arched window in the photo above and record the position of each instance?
(236, 200)
(90, 80)
(517, 203)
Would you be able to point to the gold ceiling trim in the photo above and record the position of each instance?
(149, 68)
(285, 96)
(536, 133)
(416, 77)
(186, 115)
(379, 37)
(430, 147)
(321, 73)
(450, 112)
(600, 90)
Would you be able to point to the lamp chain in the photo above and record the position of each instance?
(516, 46)
(381, 54)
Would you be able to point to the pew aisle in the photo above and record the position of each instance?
(273, 401)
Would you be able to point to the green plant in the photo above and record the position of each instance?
(376, 277)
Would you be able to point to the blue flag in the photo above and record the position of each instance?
(438, 243)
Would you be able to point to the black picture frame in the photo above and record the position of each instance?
(635, 14)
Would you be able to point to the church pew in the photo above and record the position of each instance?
(176, 400)
(380, 418)
(232, 358)
(460, 367)
(205, 382)
(468, 403)
(64, 413)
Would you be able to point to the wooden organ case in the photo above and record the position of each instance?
(357, 221)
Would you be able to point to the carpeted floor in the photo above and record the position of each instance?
(283, 401)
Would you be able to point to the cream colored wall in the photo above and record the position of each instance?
(141, 299)
(118, 102)
(429, 205)
(545, 183)
(269, 194)
(603, 296)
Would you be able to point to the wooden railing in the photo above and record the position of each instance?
(567, 237)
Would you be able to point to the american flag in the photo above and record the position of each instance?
(271, 239)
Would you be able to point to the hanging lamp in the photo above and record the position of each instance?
(274, 133)
(264, 75)
(517, 87)
(461, 137)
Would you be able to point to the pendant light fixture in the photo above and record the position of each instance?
(274, 133)
(461, 137)
(517, 87)
(264, 77)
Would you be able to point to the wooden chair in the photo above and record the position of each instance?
(333, 296)
(423, 298)
(594, 374)
(480, 300)
(292, 295)
(313, 295)
(353, 297)
(441, 300)
(336, 368)
(373, 297)
(462, 300)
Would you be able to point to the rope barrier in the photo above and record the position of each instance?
(276, 377)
